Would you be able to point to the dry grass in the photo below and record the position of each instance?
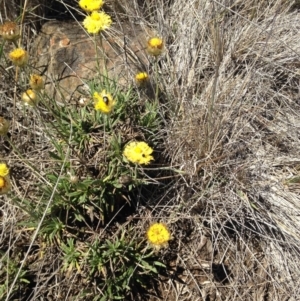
(230, 89)
(238, 142)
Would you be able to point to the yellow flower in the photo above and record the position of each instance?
(4, 170)
(30, 98)
(90, 5)
(158, 235)
(155, 46)
(138, 152)
(104, 102)
(10, 31)
(36, 82)
(4, 126)
(141, 78)
(4, 184)
(19, 57)
(96, 22)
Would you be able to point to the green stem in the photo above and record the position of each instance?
(156, 80)
(104, 134)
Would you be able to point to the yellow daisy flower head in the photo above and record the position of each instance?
(104, 102)
(36, 82)
(155, 46)
(141, 78)
(96, 22)
(4, 170)
(91, 5)
(30, 98)
(158, 235)
(138, 152)
(10, 31)
(4, 184)
(4, 126)
(19, 57)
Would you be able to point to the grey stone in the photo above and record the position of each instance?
(68, 56)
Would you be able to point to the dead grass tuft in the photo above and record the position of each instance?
(236, 138)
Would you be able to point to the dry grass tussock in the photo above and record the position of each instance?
(230, 100)
(237, 137)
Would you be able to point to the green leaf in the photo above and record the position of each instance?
(74, 193)
(293, 180)
(117, 185)
(55, 156)
(160, 264)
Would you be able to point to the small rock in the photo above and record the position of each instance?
(67, 55)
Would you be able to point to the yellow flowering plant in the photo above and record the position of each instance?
(91, 5)
(97, 22)
(4, 170)
(19, 57)
(141, 78)
(4, 179)
(30, 97)
(4, 185)
(2, 182)
(92, 186)
(155, 46)
(104, 102)
(138, 152)
(36, 82)
(158, 235)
